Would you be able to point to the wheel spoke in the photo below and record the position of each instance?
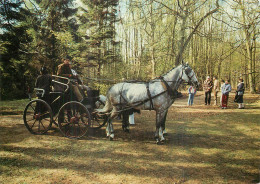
(46, 119)
(32, 107)
(65, 124)
(39, 126)
(43, 125)
(69, 114)
(44, 114)
(30, 120)
(33, 124)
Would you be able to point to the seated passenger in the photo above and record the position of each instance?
(44, 81)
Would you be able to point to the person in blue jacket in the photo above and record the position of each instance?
(225, 89)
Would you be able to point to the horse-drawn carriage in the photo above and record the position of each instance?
(60, 108)
(75, 118)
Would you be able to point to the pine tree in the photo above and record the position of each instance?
(13, 58)
(98, 29)
(54, 30)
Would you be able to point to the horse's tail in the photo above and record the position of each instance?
(108, 105)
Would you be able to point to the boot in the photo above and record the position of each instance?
(242, 106)
(239, 106)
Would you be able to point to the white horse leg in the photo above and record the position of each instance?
(110, 130)
(161, 134)
(160, 125)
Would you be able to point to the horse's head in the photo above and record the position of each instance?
(189, 75)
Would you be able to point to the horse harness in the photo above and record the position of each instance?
(167, 88)
(171, 93)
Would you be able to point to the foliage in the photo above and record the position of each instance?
(97, 23)
(132, 40)
(13, 58)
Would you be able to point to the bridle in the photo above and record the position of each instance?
(187, 73)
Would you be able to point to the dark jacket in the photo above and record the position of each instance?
(64, 70)
(44, 82)
(240, 88)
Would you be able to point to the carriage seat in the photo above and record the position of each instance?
(40, 93)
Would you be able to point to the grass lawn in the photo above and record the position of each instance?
(205, 144)
(13, 107)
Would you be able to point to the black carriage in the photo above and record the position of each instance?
(59, 107)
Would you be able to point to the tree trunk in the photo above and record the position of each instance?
(249, 50)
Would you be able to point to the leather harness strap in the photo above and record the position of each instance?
(149, 95)
(167, 88)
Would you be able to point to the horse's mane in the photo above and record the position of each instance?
(151, 80)
(135, 81)
(168, 71)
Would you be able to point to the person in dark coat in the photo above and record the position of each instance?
(44, 81)
(239, 94)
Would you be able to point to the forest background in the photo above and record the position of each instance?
(128, 39)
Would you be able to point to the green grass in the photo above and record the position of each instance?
(12, 107)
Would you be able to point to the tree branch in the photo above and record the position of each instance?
(198, 24)
(174, 11)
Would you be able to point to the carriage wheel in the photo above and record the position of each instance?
(98, 120)
(74, 120)
(37, 117)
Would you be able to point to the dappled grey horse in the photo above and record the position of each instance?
(157, 94)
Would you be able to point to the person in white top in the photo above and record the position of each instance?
(220, 99)
(215, 89)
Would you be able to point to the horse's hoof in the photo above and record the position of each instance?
(158, 142)
(127, 130)
(111, 138)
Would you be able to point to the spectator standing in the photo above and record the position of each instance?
(220, 99)
(192, 91)
(225, 89)
(215, 89)
(208, 88)
(240, 93)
